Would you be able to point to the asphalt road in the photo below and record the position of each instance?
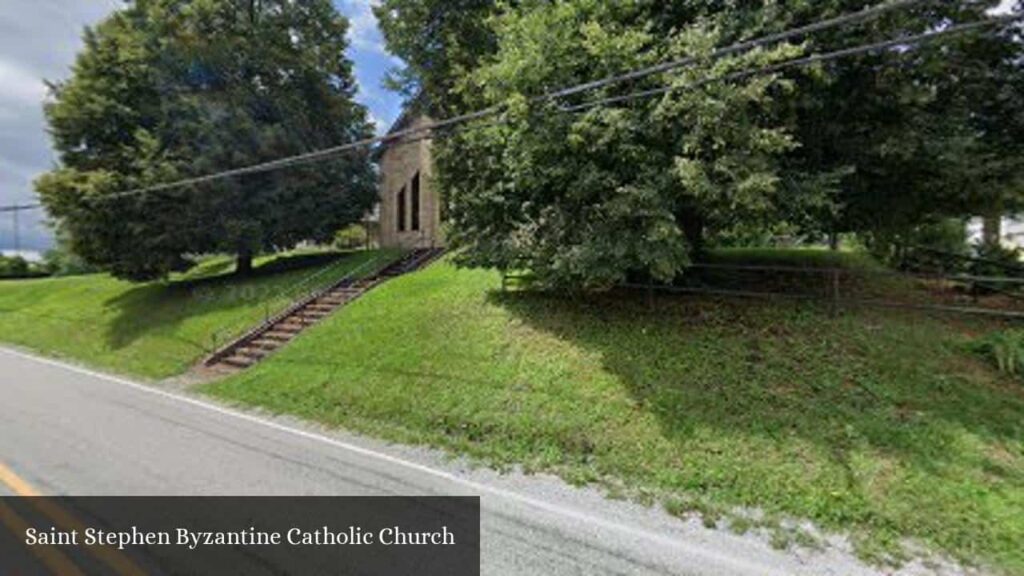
(69, 431)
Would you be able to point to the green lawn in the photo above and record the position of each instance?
(878, 423)
(159, 329)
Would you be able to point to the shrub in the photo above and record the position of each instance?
(351, 237)
(996, 261)
(1005, 349)
(62, 262)
(935, 247)
(14, 267)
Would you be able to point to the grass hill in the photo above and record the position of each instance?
(884, 424)
(159, 329)
(878, 422)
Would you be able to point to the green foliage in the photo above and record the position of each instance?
(996, 261)
(438, 40)
(13, 267)
(160, 329)
(874, 422)
(1004, 348)
(168, 89)
(934, 247)
(915, 136)
(351, 237)
(61, 261)
(878, 143)
(18, 267)
(586, 200)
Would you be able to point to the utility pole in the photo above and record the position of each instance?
(14, 209)
(17, 236)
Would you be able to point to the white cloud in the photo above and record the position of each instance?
(364, 33)
(1005, 7)
(19, 86)
(37, 40)
(380, 125)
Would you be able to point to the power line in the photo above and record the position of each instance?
(318, 155)
(745, 46)
(20, 207)
(14, 210)
(903, 42)
(807, 61)
(425, 132)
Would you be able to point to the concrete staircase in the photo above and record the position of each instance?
(281, 329)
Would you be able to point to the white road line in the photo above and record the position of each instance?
(589, 519)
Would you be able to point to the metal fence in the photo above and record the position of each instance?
(956, 293)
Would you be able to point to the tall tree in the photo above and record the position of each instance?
(440, 41)
(168, 89)
(897, 137)
(872, 143)
(588, 199)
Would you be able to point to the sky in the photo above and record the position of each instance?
(39, 40)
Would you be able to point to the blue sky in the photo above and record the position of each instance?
(39, 40)
(372, 61)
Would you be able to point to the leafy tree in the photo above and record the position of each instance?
(440, 41)
(899, 139)
(61, 261)
(168, 89)
(993, 91)
(14, 267)
(591, 198)
(937, 247)
(882, 143)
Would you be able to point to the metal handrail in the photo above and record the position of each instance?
(253, 333)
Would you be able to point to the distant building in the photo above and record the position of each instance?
(1011, 234)
(410, 208)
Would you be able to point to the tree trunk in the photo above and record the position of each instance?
(243, 262)
(693, 228)
(833, 241)
(992, 229)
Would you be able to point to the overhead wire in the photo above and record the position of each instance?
(318, 155)
(19, 207)
(864, 15)
(426, 131)
(813, 59)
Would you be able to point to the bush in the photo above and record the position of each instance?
(13, 267)
(1004, 349)
(351, 238)
(994, 260)
(935, 247)
(62, 262)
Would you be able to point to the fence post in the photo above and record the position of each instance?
(835, 293)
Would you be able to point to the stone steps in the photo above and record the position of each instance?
(265, 340)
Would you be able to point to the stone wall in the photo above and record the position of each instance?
(398, 164)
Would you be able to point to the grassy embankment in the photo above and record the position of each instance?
(159, 329)
(879, 423)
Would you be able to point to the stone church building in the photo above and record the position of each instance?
(410, 209)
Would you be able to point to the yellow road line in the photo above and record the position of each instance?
(52, 558)
(120, 563)
(16, 484)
